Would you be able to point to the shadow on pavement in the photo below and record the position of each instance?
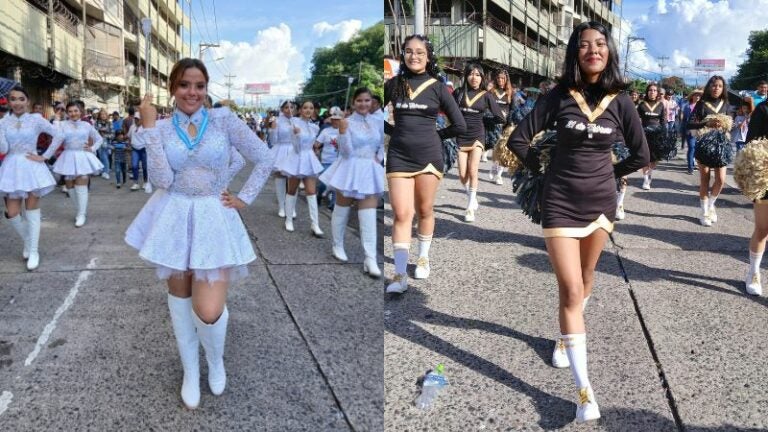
(637, 419)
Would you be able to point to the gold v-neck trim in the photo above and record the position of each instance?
(716, 110)
(415, 93)
(584, 107)
(504, 93)
(652, 108)
(474, 99)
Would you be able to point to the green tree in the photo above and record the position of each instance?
(360, 58)
(675, 83)
(755, 67)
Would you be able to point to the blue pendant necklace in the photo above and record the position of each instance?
(191, 144)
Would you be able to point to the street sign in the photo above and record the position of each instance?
(710, 65)
(258, 88)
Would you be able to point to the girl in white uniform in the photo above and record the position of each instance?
(190, 229)
(281, 140)
(78, 160)
(302, 164)
(23, 174)
(358, 175)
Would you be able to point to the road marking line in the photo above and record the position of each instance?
(5, 400)
(43, 339)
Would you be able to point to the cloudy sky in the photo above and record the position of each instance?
(271, 41)
(686, 30)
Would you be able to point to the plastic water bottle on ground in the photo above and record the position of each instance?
(433, 382)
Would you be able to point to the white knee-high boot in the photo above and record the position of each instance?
(22, 229)
(313, 216)
(290, 206)
(368, 236)
(33, 238)
(82, 204)
(188, 343)
(280, 188)
(212, 337)
(339, 220)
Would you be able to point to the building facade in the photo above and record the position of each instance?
(527, 37)
(91, 50)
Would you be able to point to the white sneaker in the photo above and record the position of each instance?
(559, 356)
(105, 176)
(754, 287)
(712, 215)
(399, 284)
(64, 189)
(491, 174)
(148, 188)
(499, 178)
(586, 408)
(704, 219)
(620, 213)
(422, 268)
(647, 184)
(135, 187)
(469, 216)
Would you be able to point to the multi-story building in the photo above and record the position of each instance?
(92, 50)
(528, 37)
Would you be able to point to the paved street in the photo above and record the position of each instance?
(86, 342)
(674, 342)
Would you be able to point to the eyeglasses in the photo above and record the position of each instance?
(415, 53)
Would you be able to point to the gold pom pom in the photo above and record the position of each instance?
(502, 155)
(750, 169)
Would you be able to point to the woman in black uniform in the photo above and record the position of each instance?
(415, 154)
(578, 201)
(504, 92)
(758, 128)
(473, 102)
(652, 111)
(713, 101)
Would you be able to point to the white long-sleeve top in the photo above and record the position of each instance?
(19, 134)
(305, 139)
(207, 169)
(364, 137)
(282, 133)
(75, 136)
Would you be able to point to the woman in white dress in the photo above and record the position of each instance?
(302, 164)
(23, 174)
(77, 162)
(358, 176)
(190, 229)
(281, 140)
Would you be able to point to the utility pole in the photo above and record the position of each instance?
(229, 85)
(662, 59)
(84, 59)
(190, 27)
(203, 47)
(418, 16)
(630, 39)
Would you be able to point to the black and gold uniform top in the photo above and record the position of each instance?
(704, 108)
(580, 184)
(415, 142)
(473, 104)
(651, 113)
(501, 101)
(758, 122)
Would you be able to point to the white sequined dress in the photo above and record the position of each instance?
(184, 226)
(358, 172)
(281, 138)
(75, 160)
(20, 176)
(301, 161)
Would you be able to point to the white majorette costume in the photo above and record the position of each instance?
(301, 162)
(281, 140)
(358, 174)
(75, 161)
(20, 176)
(184, 226)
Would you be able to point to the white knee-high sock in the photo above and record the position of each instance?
(620, 198)
(472, 198)
(584, 303)
(576, 349)
(704, 204)
(401, 256)
(425, 241)
(712, 199)
(754, 261)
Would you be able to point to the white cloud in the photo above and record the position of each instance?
(271, 57)
(341, 31)
(686, 30)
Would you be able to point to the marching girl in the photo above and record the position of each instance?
(301, 163)
(578, 200)
(415, 154)
(713, 101)
(77, 162)
(653, 116)
(504, 93)
(473, 102)
(281, 140)
(23, 174)
(358, 176)
(190, 229)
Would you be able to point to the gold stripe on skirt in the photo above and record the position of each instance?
(601, 222)
(429, 169)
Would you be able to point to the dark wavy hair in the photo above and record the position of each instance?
(610, 79)
(647, 89)
(401, 87)
(20, 89)
(468, 68)
(708, 89)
